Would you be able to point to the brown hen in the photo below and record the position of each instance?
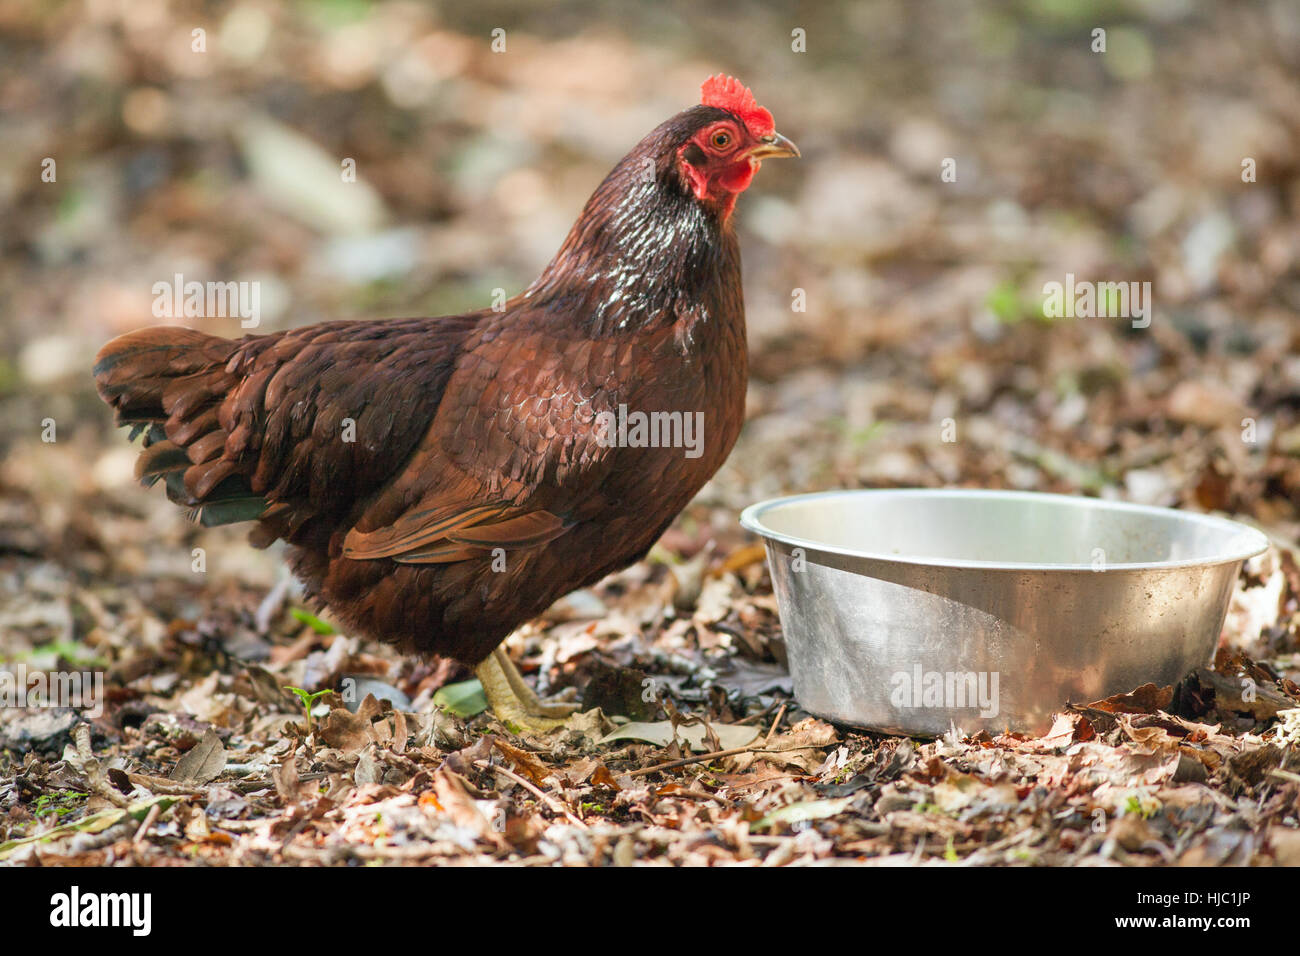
(442, 480)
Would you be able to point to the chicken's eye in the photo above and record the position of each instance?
(721, 139)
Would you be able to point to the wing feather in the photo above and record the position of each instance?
(511, 460)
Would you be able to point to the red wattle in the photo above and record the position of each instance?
(736, 179)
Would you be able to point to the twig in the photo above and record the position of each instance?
(248, 786)
(693, 794)
(755, 717)
(92, 769)
(758, 783)
(163, 785)
(780, 714)
(555, 805)
(687, 761)
(149, 819)
(718, 754)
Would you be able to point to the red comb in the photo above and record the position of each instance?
(728, 93)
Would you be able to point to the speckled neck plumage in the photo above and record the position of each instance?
(644, 248)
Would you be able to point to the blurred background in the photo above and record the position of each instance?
(217, 154)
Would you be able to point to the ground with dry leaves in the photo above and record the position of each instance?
(923, 306)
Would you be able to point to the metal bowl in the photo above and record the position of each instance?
(914, 611)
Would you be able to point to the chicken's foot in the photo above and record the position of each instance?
(514, 702)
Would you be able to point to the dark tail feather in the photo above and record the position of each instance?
(160, 459)
(133, 370)
(168, 383)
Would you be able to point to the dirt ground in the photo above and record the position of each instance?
(923, 305)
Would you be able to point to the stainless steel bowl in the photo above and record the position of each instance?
(913, 611)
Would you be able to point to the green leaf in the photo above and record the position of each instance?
(1004, 302)
(95, 823)
(306, 698)
(462, 700)
(140, 809)
(950, 852)
(312, 621)
(71, 651)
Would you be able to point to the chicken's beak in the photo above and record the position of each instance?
(775, 146)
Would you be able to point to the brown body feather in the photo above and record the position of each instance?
(472, 433)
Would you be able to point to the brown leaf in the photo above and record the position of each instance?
(1147, 699)
(1260, 700)
(462, 761)
(739, 559)
(524, 762)
(802, 747)
(203, 762)
(1214, 489)
(350, 732)
(1068, 728)
(1132, 832)
(458, 804)
(261, 685)
(345, 731)
(1149, 740)
(400, 732)
(287, 784)
(1253, 765)
(601, 777)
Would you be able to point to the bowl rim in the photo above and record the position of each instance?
(1255, 542)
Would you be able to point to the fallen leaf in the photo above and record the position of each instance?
(526, 763)
(730, 736)
(803, 811)
(203, 762)
(462, 809)
(1147, 699)
(95, 823)
(801, 747)
(601, 777)
(1068, 729)
(465, 699)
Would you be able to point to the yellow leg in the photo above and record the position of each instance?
(514, 702)
(561, 706)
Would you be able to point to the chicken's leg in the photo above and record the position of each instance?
(514, 702)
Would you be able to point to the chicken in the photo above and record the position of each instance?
(440, 481)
